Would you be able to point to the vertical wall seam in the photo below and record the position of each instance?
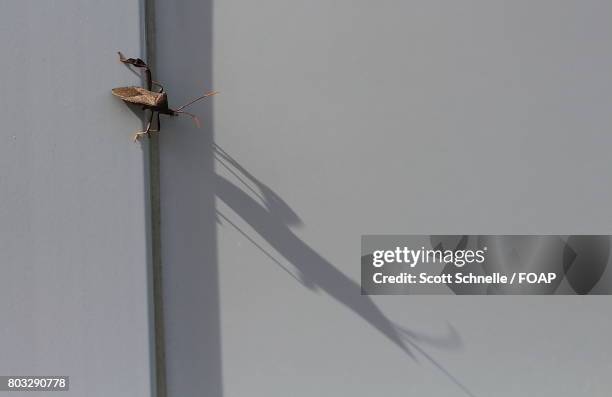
(155, 218)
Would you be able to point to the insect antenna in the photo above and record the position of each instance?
(193, 116)
(209, 93)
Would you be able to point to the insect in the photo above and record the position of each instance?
(155, 101)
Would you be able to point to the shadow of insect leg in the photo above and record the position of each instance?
(158, 123)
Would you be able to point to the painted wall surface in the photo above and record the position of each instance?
(343, 118)
(73, 229)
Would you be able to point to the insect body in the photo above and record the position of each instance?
(156, 102)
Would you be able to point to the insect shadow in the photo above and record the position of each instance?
(154, 101)
(271, 217)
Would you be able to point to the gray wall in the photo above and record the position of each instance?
(73, 232)
(352, 117)
(336, 119)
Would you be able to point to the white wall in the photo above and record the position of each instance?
(355, 117)
(73, 229)
(335, 119)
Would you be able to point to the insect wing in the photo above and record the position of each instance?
(137, 95)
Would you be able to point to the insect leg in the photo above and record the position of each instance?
(145, 132)
(157, 83)
(151, 123)
(148, 131)
(139, 63)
